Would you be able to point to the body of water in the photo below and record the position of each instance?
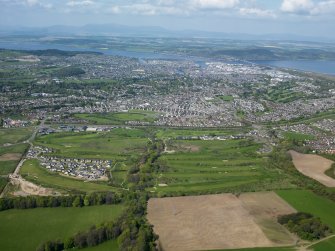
(318, 66)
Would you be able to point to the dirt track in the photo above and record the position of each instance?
(313, 166)
(213, 221)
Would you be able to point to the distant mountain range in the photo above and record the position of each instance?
(146, 31)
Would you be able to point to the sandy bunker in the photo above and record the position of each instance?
(313, 166)
(217, 221)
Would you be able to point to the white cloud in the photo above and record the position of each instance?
(32, 2)
(308, 7)
(325, 7)
(79, 3)
(150, 9)
(256, 12)
(215, 4)
(297, 6)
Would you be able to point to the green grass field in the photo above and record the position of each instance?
(104, 145)
(32, 171)
(15, 135)
(331, 171)
(122, 146)
(26, 229)
(3, 183)
(119, 118)
(307, 201)
(214, 166)
(8, 166)
(174, 133)
(326, 245)
(298, 136)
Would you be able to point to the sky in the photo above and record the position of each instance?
(302, 17)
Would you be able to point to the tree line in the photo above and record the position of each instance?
(305, 225)
(89, 199)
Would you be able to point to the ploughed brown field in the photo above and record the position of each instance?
(10, 156)
(222, 221)
(313, 166)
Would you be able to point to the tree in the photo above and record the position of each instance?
(78, 202)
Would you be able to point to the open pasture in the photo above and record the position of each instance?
(26, 229)
(122, 146)
(10, 157)
(106, 246)
(218, 221)
(325, 245)
(313, 166)
(212, 166)
(307, 201)
(119, 118)
(168, 133)
(14, 135)
(3, 183)
(32, 171)
(101, 145)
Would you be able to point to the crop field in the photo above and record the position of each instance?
(26, 229)
(14, 135)
(213, 166)
(119, 118)
(219, 221)
(307, 201)
(313, 166)
(32, 171)
(10, 157)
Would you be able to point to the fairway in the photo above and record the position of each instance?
(313, 166)
(214, 166)
(307, 201)
(32, 171)
(24, 230)
(218, 221)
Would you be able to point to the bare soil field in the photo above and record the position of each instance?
(10, 156)
(265, 207)
(313, 166)
(218, 221)
(27, 188)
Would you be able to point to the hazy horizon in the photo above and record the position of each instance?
(255, 17)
